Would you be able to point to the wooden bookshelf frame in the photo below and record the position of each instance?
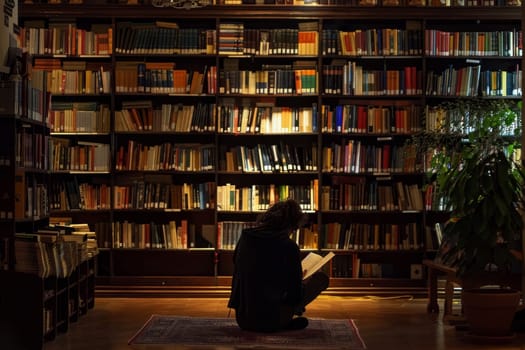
(113, 13)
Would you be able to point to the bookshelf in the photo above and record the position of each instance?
(51, 281)
(44, 307)
(217, 111)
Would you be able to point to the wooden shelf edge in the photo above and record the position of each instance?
(264, 11)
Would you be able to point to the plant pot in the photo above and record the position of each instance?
(489, 311)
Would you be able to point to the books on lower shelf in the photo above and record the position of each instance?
(171, 235)
(53, 252)
(168, 117)
(65, 154)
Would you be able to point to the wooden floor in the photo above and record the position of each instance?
(384, 323)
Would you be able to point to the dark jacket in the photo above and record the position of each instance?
(267, 280)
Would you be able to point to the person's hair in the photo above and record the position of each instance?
(284, 215)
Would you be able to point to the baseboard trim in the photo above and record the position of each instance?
(142, 291)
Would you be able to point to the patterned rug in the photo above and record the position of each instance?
(199, 331)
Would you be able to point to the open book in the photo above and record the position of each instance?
(313, 262)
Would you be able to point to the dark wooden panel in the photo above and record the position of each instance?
(225, 263)
(21, 310)
(142, 262)
(287, 12)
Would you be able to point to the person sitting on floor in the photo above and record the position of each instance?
(268, 290)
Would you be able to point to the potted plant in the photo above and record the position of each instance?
(479, 177)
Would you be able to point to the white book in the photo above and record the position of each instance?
(313, 262)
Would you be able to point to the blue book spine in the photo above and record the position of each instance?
(339, 118)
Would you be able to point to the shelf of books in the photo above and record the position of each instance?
(170, 132)
(50, 273)
(51, 286)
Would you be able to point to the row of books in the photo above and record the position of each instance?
(269, 158)
(282, 79)
(459, 122)
(154, 38)
(53, 251)
(229, 232)
(89, 78)
(376, 270)
(506, 43)
(434, 200)
(266, 119)
(31, 199)
(346, 78)
(158, 38)
(377, 236)
(171, 118)
(360, 194)
(281, 41)
(357, 157)
(84, 236)
(454, 82)
(363, 119)
(350, 266)
(81, 156)
(348, 157)
(472, 81)
(171, 235)
(41, 258)
(37, 202)
(388, 270)
(307, 237)
(372, 42)
(70, 194)
(162, 195)
(162, 37)
(79, 117)
(30, 149)
(342, 236)
(141, 115)
(259, 197)
(65, 38)
(372, 195)
(92, 117)
(351, 78)
(501, 83)
(230, 39)
(166, 156)
(157, 192)
(163, 78)
(356, 196)
(234, 39)
(24, 98)
(343, 266)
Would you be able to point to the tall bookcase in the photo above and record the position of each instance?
(41, 296)
(275, 101)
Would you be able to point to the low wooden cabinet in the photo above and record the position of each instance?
(34, 310)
